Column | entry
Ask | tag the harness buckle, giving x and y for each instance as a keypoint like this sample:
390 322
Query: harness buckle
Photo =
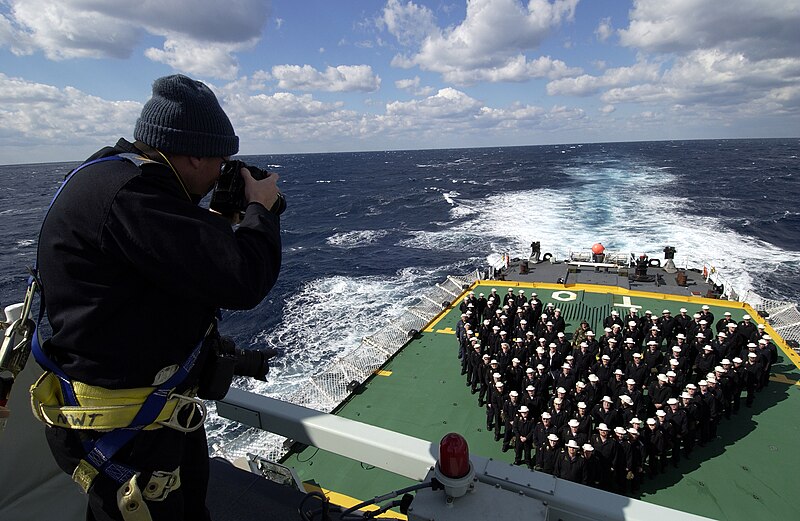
161 484
183 421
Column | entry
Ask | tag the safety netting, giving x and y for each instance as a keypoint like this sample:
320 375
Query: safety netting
327 389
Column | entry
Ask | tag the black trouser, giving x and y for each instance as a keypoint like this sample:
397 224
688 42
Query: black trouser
161 449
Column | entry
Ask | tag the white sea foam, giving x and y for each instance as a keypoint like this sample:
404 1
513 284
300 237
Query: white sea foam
626 210
356 238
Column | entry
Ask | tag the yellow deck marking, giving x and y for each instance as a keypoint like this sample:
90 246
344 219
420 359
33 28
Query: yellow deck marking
447 331
347 501
783 379
383 372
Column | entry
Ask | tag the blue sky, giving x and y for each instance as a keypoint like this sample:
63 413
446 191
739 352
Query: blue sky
318 76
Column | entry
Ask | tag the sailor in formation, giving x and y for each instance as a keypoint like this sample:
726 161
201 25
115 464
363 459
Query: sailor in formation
609 412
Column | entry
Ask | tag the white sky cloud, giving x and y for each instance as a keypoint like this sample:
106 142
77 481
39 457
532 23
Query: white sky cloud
200 36
604 29
487 45
334 79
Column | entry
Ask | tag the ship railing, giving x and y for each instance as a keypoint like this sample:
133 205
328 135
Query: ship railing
330 387
618 258
783 316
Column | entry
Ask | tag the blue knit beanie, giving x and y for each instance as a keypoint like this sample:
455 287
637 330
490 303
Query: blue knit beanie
184 117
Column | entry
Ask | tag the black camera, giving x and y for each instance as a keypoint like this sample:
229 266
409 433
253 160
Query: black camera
225 360
228 197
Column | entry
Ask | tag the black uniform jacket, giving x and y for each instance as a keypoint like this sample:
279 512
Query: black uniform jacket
133 271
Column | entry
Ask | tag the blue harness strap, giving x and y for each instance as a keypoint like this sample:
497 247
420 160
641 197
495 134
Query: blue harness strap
100 451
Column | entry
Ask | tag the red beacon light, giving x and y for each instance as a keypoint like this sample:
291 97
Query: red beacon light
454 469
598 248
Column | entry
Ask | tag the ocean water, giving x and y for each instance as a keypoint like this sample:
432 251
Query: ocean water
365 232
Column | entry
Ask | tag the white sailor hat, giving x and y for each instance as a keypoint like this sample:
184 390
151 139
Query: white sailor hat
615 326
602 427
737 360
495 327
672 401
498 384
543 315
529 333
652 343
515 360
486 357
487 322
581 405
746 317
703 322
580 384
626 399
561 390
683 310
493 361
629 340
676 349
552 345
674 362
761 326
529 370
545 415
705 307
572 444
550 304
648 312
540 349
566 366
606 357
662 412
680 335
479 295
702 383
630 381
722 334
607 330
635 421
614 312
463 315
588 447
470 305
686 396
732 325
618 371
510 290
612 340
539 366
495 375
633 432
533 294
763 341
654 328
552 437
671 373
523 408
560 334
651 421
691 386
521 292
751 355
637 355
632 323
725 361
711 379
557 401
619 430
662 377
751 344
513 393
530 388
696 316
727 313
584 344
607 399
590 333
666 311
504 332
593 377
573 423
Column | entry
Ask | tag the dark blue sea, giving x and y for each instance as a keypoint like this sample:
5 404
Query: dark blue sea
365 233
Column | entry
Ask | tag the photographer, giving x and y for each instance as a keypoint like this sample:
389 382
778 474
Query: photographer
134 273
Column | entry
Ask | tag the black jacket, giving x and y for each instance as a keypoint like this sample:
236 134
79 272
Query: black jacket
133 271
